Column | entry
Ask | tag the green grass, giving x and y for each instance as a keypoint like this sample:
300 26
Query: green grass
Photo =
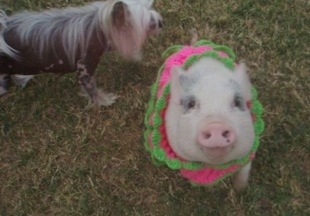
56 158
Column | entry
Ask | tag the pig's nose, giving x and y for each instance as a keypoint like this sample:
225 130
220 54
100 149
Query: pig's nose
216 135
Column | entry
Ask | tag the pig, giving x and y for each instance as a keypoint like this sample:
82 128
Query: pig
207 120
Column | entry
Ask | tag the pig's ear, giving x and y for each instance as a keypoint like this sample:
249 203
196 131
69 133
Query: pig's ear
241 72
188 79
175 86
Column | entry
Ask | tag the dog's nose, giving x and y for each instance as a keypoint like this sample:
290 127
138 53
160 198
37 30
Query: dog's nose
155 24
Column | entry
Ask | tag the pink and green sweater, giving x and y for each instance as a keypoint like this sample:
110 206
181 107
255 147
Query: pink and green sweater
156 140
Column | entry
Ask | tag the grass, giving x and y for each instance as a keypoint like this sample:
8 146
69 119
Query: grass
56 158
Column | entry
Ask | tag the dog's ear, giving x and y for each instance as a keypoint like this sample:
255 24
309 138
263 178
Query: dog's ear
120 14
149 3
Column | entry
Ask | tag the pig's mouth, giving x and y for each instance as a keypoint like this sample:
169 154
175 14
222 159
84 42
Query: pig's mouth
217 154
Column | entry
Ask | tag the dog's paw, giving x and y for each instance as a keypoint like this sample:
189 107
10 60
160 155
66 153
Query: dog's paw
22 80
101 99
4 84
104 99
3 91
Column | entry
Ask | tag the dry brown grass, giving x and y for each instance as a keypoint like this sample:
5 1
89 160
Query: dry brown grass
58 159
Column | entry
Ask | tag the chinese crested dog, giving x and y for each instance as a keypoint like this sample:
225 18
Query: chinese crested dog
73 40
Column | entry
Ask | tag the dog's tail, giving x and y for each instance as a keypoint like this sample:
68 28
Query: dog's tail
4 47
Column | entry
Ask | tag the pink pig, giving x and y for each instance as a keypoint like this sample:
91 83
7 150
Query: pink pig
207 129
207 118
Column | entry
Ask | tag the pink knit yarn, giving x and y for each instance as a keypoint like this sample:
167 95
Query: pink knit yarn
209 175
205 175
178 59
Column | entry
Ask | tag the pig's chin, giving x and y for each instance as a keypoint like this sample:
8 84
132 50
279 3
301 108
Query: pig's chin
216 156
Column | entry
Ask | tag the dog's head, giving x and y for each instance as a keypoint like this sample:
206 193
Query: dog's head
128 23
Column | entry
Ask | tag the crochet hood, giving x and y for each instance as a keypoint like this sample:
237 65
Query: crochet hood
155 137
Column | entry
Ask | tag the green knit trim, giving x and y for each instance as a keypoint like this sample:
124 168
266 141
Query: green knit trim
156 106
169 51
216 47
228 62
204 42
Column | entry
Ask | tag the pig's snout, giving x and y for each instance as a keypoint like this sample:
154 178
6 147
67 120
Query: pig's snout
216 139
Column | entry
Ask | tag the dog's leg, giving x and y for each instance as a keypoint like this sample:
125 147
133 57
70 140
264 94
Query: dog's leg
88 84
4 83
21 80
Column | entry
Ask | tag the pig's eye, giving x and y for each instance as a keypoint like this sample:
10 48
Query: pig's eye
188 103
238 102
191 104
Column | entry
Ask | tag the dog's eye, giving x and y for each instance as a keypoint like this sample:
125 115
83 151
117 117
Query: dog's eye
154 24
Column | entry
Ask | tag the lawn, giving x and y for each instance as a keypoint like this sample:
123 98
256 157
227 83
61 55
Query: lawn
57 158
